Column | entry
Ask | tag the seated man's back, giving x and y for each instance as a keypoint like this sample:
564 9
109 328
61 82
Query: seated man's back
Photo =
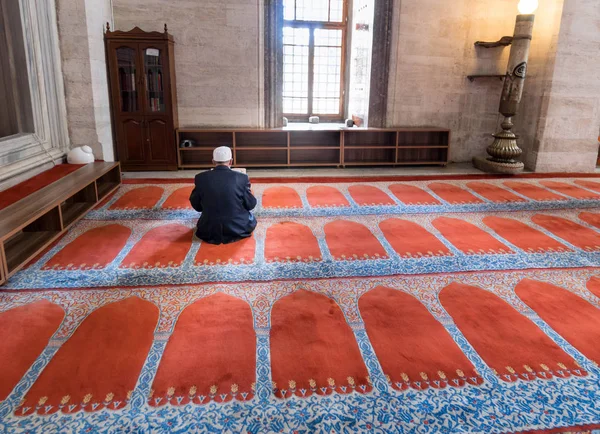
224 198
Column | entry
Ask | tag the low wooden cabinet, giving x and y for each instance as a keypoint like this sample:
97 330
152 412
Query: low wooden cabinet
289 147
28 226
141 72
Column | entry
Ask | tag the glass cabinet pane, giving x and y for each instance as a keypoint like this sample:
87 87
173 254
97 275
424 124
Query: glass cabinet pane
153 68
128 94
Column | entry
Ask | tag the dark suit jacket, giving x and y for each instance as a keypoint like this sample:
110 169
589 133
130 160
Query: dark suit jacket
223 197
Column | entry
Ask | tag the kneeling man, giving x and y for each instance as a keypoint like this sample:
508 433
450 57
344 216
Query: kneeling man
224 198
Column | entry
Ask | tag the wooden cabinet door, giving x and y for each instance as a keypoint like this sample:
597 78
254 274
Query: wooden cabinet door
130 136
159 141
125 77
155 81
156 104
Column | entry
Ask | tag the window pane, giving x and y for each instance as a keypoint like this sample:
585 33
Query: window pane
327 71
295 70
325 106
312 10
295 36
288 9
326 37
336 11
295 105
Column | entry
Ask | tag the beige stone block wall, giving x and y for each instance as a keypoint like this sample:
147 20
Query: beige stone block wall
217 56
432 53
98 13
75 54
80 26
569 121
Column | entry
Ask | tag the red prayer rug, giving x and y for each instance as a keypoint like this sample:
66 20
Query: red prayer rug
388 306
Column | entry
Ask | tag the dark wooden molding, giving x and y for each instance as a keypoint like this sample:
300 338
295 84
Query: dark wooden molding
380 62
137 33
273 63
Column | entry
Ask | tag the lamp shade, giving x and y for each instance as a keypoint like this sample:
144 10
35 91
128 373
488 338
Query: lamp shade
527 7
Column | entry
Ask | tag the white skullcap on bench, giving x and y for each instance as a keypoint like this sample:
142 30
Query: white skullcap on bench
222 154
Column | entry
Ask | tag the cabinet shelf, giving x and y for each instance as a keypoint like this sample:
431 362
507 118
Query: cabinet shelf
318 148
369 147
261 148
24 245
312 148
199 148
423 147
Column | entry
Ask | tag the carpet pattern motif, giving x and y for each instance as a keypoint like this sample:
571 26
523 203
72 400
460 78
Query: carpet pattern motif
338 318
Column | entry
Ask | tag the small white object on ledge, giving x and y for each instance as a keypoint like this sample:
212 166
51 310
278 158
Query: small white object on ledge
80 155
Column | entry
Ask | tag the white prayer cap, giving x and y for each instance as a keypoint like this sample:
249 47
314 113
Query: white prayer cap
222 154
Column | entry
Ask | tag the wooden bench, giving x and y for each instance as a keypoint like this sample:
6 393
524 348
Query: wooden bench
31 224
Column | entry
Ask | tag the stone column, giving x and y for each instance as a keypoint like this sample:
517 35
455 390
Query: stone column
504 150
80 26
566 138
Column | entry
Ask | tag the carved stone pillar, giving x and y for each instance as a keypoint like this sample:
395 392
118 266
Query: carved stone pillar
504 150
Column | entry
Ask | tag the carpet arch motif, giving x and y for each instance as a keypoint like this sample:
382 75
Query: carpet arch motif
106 242
468 238
320 357
281 197
291 242
511 344
179 199
412 195
523 236
533 191
410 240
142 197
325 196
216 334
161 247
584 238
570 190
26 330
494 193
98 366
368 195
574 318
349 241
414 349
453 194
240 252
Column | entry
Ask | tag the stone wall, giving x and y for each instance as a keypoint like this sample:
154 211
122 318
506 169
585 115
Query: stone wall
84 69
98 13
569 117
219 70
432 54
217 56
